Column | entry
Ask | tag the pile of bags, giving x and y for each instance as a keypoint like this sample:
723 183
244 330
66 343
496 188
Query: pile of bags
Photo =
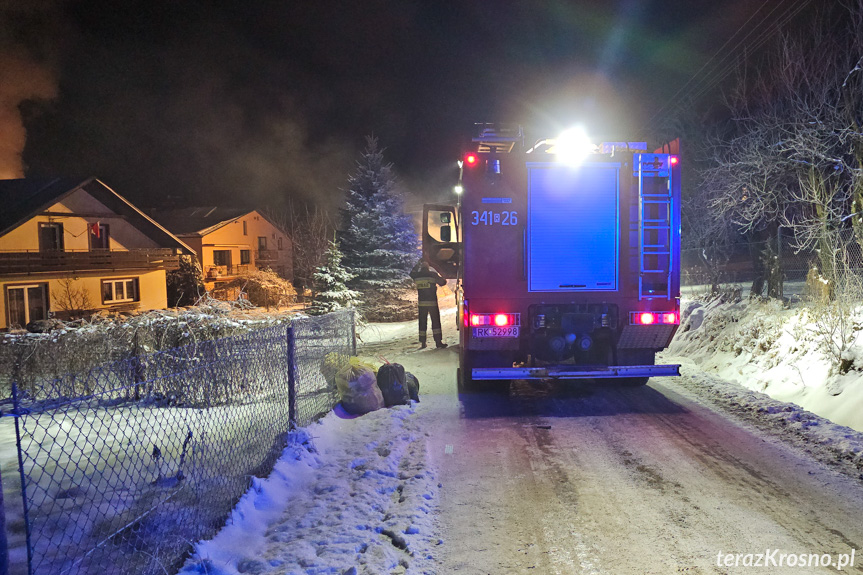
364 389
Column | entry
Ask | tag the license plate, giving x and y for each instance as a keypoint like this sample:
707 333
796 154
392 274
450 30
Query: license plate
496 331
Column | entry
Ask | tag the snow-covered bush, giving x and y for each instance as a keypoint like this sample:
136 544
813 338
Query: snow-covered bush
836 318
262 287
186 283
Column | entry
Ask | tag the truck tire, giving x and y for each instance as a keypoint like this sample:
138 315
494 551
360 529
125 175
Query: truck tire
467 385
635 357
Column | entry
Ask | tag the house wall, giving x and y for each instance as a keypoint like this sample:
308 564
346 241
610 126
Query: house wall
152 292
231 237
122 234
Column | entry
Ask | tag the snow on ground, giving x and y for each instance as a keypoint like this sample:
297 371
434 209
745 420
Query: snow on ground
348 496
776 350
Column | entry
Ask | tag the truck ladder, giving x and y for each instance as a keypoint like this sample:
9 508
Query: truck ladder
655 209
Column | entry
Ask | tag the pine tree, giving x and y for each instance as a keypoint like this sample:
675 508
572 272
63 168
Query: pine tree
378 239
330 279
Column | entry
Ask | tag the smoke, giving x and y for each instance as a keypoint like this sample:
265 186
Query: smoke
25 74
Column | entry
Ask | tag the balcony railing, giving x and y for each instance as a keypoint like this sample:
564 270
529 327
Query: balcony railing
267 255
221 272
71 261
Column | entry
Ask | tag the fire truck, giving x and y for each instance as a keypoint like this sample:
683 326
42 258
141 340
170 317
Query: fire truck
566 257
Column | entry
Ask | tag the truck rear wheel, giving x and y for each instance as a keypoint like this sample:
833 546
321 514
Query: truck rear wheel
635 357
467 385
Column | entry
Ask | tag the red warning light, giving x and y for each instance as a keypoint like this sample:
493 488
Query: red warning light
646 318
674 160
475 320
669 318
471 159
501 320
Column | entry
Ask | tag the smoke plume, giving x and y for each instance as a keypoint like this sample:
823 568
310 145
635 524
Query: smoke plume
24 75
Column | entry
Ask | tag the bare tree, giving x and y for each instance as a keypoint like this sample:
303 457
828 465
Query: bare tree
71 299
311 230
794 155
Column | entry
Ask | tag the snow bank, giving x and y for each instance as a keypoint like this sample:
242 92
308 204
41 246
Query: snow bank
347 496
766 347
825 440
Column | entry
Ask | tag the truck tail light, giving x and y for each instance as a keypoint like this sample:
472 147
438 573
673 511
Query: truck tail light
496 319
654 317
673 160
471 159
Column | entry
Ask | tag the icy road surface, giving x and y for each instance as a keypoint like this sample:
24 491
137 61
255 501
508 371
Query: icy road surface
571 478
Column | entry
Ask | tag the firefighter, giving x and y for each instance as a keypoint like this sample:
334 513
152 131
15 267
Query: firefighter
426 281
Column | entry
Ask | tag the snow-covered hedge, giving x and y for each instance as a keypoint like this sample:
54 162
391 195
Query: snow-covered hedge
80 346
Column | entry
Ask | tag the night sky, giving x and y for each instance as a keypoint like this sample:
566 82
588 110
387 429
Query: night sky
249 103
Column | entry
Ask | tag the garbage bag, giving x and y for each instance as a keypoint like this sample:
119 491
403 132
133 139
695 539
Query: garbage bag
413 385
330 366
391 380
358 388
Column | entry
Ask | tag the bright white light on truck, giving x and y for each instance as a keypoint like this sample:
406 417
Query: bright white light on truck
573 146
458 189
646 319
501 320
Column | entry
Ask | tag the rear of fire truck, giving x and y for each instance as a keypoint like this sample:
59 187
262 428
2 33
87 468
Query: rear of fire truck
566 257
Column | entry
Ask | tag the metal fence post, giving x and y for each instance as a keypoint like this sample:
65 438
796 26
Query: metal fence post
292 380
16 406
4 543
353 332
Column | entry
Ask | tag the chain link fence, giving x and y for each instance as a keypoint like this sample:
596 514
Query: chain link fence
126 465
748 264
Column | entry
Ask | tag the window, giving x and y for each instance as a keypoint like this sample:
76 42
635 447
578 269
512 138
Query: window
281 247
50 237
222 258
99 236
245 257
262 242
26 303
245 228
115 291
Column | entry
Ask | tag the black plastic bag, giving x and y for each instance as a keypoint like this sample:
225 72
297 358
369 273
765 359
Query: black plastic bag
413 385
391 380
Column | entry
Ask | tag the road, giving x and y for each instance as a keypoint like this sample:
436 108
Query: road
577 478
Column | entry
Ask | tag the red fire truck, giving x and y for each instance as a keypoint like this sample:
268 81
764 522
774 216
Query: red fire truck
566 258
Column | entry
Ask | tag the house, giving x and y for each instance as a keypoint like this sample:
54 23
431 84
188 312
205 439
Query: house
68 246
231 242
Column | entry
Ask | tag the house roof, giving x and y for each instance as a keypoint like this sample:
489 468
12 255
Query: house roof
25 198
197 221
200 221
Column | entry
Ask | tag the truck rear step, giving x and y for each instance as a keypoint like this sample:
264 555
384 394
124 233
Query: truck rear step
575 372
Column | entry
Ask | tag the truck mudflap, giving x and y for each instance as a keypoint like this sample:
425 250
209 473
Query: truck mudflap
575 372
